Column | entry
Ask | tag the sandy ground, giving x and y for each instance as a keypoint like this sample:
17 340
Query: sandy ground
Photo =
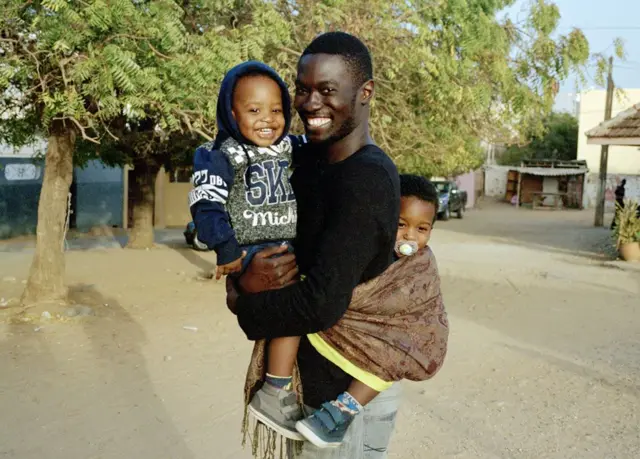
544 357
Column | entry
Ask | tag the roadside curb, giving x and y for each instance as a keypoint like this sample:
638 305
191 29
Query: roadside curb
624 265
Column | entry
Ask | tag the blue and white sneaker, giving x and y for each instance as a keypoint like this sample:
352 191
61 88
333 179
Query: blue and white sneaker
326 427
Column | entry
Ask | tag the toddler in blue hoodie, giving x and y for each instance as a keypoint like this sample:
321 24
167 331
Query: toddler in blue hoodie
242 201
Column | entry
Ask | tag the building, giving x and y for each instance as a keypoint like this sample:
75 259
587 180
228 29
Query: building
624 160
97 192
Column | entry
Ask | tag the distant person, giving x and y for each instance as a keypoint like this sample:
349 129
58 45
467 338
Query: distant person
619 193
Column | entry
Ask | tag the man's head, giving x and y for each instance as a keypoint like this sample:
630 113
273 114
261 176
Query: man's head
334 87
258 109
418 209
624 182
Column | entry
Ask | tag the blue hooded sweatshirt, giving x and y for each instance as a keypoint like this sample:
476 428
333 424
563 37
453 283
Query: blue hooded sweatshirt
242 194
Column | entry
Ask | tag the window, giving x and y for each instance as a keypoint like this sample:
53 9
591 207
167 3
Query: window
22 171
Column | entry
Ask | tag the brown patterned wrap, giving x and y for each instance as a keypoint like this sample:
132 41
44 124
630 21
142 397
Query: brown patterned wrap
396 327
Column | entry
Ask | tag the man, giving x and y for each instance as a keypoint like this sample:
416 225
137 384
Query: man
619 195
348 205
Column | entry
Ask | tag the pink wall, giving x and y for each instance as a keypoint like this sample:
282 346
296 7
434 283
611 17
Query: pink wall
467 182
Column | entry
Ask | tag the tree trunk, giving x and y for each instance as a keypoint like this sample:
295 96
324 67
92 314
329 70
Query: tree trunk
46 276
142 201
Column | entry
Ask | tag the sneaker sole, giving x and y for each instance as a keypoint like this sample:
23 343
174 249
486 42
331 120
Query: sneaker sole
313 438
266 420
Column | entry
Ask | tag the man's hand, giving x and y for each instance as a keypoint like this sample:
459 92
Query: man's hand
266 273
230 268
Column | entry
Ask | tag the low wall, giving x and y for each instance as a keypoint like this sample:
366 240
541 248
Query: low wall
632 189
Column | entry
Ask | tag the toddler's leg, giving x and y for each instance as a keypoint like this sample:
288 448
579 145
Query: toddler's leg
275 404
281 359
327 426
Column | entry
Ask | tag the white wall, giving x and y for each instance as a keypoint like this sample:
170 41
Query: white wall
495 181
624 162
27 151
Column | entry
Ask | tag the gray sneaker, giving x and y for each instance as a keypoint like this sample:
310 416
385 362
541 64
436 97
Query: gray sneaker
278 409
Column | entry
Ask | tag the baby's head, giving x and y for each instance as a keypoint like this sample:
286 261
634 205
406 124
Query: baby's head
254 106
258 109
418 211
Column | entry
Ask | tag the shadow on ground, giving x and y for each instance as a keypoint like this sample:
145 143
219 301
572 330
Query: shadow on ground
117 412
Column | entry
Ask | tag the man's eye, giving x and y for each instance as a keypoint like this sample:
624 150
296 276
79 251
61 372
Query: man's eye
401 225
277 110
424 230
254 110
327 91
300 91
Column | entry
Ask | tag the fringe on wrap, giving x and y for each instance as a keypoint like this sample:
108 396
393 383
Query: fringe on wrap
265 442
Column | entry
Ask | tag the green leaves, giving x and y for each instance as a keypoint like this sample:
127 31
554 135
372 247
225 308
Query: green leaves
559 140
449 74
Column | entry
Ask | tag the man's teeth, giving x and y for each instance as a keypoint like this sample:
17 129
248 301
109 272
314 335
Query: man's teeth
266 131
316 122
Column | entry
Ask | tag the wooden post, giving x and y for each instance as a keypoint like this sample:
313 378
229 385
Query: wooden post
159 220
604 153
125 196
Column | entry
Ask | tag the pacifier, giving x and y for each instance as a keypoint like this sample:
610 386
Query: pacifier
406 248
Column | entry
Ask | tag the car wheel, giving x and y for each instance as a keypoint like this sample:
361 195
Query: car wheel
446 214
460 212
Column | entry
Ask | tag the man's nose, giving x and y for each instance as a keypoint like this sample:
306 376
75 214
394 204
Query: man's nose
312 102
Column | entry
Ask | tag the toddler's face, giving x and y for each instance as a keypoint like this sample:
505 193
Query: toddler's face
416 221
257 108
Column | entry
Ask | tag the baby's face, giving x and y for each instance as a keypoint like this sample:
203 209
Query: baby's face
257 108
416 221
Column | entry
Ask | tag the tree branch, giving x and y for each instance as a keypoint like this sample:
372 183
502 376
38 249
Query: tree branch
81 128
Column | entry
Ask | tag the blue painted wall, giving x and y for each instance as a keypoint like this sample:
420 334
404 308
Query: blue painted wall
99 195
98 200
18 200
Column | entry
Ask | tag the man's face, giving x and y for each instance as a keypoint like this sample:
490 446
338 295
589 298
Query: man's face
327 98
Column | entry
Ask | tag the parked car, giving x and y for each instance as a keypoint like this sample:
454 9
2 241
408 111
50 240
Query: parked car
452 199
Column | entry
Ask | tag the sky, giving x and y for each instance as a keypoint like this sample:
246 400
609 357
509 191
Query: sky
602 21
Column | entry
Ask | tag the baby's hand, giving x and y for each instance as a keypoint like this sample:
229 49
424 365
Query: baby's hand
230 268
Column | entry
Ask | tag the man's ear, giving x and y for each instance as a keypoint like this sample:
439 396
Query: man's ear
366 92
233 113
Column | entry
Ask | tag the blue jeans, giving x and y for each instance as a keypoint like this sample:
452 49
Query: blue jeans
368 435
255 248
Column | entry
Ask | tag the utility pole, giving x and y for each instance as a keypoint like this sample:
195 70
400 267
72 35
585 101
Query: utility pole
604 153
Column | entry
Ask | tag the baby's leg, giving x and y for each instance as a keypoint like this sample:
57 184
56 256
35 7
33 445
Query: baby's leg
361 392
328 426
281 359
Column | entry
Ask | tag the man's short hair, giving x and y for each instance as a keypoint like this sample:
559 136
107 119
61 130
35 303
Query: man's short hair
419 187
350 48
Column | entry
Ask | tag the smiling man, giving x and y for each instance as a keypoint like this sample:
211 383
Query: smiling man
348 195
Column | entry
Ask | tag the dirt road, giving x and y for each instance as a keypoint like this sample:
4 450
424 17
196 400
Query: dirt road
544 357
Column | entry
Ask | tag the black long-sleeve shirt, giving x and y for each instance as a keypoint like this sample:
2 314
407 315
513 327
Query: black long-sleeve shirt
347 225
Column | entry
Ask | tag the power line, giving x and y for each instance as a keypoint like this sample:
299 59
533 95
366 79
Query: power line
604 28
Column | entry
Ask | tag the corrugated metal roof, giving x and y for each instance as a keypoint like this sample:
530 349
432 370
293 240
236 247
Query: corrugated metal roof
626 124
551 171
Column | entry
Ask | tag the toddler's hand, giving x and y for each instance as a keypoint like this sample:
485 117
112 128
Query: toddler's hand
230 268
